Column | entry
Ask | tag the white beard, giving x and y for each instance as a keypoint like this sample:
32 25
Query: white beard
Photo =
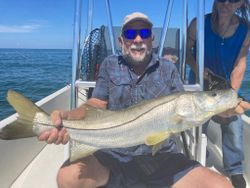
128 55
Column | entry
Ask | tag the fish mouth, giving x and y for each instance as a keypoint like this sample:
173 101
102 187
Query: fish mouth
220 101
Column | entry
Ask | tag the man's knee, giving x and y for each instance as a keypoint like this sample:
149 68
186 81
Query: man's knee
203 177
224 183
74 178
64 179
86 173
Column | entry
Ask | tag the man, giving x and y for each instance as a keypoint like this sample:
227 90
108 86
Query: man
123 81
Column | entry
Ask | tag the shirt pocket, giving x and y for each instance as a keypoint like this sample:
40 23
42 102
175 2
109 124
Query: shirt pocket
119 92
156 87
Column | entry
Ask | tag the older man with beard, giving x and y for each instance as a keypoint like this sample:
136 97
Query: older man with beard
125 80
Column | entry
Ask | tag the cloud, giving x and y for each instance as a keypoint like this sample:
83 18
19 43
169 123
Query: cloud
26 28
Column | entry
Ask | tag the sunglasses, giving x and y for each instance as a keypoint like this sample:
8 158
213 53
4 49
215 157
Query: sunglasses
132 33
230 1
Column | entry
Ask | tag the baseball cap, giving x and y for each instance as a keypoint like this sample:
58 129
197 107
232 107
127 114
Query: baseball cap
134 17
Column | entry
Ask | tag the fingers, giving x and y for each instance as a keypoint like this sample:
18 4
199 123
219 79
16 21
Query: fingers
44 136
53 136
239 109
49 136
56 135
60 136
245 105
242 107
63 137
56 117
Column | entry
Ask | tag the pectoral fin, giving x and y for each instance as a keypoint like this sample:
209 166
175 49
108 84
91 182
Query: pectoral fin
79 150
177 119
156 148
157 138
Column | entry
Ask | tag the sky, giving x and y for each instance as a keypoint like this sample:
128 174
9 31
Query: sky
48 24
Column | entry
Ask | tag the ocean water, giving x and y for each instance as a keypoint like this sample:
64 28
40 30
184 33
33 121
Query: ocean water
37 73
33 72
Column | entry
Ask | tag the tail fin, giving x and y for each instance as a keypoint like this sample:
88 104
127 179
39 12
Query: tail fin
22 127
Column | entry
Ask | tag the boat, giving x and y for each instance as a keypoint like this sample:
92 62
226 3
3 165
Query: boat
28 163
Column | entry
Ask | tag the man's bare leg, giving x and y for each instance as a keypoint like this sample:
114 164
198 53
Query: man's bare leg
203 177
85 173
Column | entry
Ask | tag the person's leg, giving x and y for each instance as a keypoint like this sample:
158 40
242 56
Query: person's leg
202 177
177 171
233 151
87 173
232 145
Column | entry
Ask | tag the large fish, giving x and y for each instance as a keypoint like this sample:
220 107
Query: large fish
149 122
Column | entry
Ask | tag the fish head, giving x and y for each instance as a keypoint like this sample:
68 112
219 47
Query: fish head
200 106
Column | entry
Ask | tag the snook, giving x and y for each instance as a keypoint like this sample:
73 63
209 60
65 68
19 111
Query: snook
149 122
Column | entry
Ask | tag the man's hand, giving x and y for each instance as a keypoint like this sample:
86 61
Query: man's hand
239 109
58 134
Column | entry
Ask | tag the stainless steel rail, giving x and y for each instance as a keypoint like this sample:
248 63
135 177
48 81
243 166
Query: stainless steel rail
183 40
200 58
75 51
110 27
165 26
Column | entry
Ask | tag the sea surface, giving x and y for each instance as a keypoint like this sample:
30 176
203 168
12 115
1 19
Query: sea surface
37 73
33 72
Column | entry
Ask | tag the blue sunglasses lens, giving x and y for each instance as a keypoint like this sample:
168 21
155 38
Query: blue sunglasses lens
145 33
132 33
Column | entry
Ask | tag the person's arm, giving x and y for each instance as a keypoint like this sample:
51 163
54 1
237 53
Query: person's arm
59 135
237 76
238 72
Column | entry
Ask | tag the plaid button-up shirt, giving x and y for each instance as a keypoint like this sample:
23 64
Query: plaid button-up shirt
121 87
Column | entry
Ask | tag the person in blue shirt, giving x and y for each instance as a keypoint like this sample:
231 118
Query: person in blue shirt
227 40
125 80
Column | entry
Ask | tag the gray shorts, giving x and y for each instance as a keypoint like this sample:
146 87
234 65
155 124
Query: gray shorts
159 171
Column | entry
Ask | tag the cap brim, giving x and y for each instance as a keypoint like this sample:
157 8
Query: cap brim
137 19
